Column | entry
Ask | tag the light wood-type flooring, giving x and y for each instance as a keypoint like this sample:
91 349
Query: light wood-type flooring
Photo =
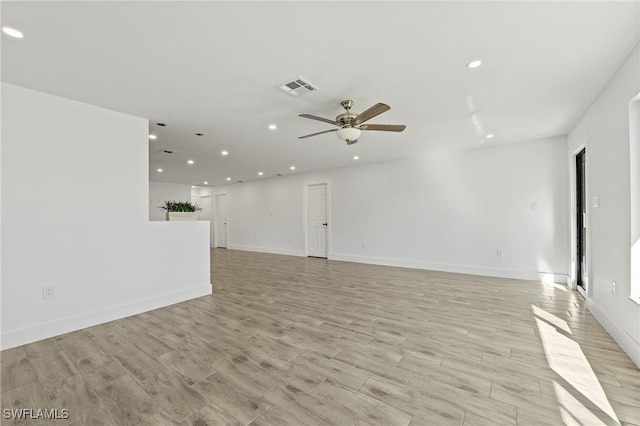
302 341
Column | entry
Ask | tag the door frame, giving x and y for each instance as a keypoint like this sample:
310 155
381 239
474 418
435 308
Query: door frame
573 211
305 215
210 218
215 212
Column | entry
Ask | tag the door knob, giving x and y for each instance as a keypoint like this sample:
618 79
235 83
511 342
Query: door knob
324 224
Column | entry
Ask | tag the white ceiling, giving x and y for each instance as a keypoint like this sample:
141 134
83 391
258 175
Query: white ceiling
212 67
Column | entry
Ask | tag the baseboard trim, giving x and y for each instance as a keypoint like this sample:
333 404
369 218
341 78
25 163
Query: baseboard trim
627 342
546 277
288 252
57 327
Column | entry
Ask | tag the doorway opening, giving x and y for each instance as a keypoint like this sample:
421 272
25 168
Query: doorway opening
582 278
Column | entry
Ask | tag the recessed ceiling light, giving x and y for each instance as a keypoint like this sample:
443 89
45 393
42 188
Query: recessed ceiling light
159 170
490 135
292 168
355 157
260 173
474 64
190 161
224 152
228 178
199 134
12 32
273 127
193 187
205 182
153 137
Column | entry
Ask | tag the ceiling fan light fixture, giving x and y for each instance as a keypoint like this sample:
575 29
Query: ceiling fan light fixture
349 134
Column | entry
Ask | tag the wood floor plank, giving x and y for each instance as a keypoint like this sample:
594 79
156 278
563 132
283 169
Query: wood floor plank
276 417
309 408
426 410
219 392
17 373
335 369
127 402
12 355
54 367
166 388
374 411
245 376
494 410
374 366
127 355
211 415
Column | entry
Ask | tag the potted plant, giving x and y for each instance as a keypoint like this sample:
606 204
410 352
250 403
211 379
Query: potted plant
180 210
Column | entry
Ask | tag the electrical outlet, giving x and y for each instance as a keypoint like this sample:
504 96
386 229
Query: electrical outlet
534 206
499 253
48 292
613 287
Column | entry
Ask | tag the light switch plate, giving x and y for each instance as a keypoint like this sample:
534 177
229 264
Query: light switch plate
595 201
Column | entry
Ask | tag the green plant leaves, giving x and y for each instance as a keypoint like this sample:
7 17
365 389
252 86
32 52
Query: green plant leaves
180 206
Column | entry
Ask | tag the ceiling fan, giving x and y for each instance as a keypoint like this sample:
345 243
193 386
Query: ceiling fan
350 124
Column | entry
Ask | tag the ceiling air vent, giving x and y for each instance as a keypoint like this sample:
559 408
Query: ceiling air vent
297 86
167 151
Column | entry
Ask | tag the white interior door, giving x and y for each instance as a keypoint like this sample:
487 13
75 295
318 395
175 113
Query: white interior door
317 220
204 201
221 229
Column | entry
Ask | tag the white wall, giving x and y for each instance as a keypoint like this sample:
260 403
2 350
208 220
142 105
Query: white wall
450 212
159 192
605 129
75 216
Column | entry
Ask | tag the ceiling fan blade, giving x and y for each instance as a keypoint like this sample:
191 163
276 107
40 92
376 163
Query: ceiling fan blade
384 127
377 109
315 117
316 134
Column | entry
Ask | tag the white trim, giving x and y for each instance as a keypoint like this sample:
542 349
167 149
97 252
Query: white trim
208 195
41 331
214 212
461 269
272 250
580 291
305 214
627 342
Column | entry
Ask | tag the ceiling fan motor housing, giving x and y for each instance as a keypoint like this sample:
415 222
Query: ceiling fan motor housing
346 119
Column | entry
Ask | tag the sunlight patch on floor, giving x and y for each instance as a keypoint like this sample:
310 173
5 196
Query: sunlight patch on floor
573 411
565 357
550 318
